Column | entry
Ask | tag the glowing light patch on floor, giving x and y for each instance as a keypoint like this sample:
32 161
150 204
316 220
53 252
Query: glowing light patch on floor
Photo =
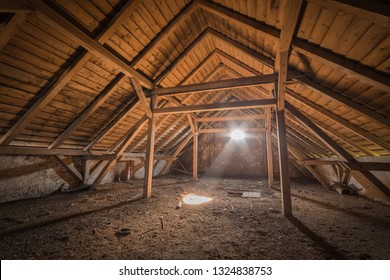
193 199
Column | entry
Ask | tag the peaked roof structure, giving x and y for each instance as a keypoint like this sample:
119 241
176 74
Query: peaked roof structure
83 77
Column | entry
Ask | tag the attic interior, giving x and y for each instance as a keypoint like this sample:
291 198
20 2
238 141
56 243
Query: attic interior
114 112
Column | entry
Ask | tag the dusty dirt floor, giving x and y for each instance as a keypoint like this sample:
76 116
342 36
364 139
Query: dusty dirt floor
106 224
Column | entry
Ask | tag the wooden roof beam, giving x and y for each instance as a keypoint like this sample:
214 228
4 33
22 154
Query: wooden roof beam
91 108
57 85
9 30
217 85
231 118
43 151
343 64
165 32
328 141
218 106
141 96
375 11
228 130
182 55
336 118
370 114
113 123
290 20
337 97
13 6
57 21
229 14
258 56
365 73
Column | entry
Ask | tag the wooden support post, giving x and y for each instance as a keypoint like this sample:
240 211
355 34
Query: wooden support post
195 157
270 165
149 160
86 170
148 179
283 164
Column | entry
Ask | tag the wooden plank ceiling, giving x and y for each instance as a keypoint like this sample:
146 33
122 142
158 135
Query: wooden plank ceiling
74 74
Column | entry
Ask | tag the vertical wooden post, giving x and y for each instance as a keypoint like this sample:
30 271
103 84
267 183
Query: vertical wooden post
86 170
149 160
283 164
270 164
195 157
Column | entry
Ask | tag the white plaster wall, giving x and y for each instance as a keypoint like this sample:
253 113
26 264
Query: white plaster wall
365 187
25 177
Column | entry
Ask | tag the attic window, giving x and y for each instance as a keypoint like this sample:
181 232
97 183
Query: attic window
237 134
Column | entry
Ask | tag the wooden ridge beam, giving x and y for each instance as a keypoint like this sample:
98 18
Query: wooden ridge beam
58 22
218 106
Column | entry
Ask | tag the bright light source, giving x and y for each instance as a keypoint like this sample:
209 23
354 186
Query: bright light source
194 199
237 134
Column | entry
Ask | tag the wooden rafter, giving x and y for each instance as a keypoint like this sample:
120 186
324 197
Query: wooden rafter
165 32
141 96
336 148
91 108
351 104
354 128
8 31
113 123
66 28
290 20
375 11
182 55
363 72
54 88
345 123
13 6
